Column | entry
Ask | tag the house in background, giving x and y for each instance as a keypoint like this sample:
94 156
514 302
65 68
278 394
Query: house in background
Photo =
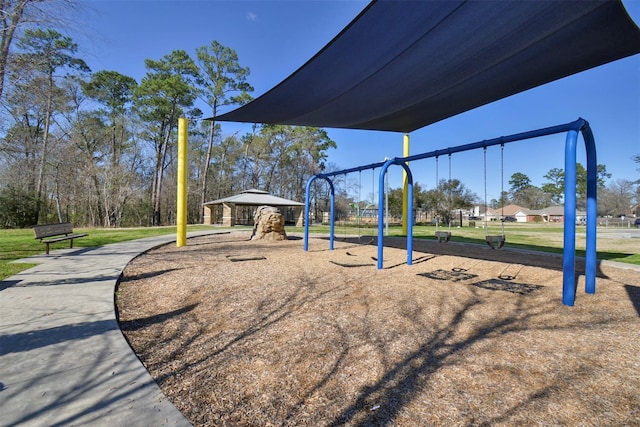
239 209
548 214
518 212
554 214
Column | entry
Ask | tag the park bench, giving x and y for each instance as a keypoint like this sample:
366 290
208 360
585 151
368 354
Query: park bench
51 233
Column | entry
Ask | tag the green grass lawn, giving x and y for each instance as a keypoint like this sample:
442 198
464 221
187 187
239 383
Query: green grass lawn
543 238
16 244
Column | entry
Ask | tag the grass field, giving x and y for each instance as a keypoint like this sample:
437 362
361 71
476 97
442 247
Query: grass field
16 244
615 244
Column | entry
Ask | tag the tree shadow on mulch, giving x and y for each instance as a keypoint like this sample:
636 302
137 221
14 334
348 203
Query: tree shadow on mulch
134 325
383 401
634 296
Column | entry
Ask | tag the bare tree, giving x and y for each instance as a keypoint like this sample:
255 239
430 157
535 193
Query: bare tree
46 52
617 198
16 15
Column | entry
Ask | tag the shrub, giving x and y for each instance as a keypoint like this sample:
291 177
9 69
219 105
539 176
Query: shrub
18 207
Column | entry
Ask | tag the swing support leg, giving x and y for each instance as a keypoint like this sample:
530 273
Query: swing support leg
569 273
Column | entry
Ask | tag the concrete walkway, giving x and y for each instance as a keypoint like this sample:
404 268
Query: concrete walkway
63 359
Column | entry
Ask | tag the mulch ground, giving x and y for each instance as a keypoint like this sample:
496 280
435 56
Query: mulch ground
240 332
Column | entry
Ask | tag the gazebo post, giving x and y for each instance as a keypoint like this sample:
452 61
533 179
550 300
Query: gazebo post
228 214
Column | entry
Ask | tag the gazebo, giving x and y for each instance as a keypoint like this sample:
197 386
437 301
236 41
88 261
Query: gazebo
239 209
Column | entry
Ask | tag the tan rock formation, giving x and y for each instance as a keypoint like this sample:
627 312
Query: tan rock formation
268 224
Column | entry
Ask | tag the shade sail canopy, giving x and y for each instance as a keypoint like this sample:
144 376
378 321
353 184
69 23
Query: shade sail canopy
402 65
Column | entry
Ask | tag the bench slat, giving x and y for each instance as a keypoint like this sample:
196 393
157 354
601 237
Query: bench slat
48 230
61 238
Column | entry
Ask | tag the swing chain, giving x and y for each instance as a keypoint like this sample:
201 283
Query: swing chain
437 185
502 185
486 207
450 194
494 241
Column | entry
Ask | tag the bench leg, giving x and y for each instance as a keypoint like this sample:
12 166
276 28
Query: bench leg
47 248
71 244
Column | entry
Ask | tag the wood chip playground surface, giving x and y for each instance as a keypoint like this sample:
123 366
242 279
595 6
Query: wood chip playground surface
240 332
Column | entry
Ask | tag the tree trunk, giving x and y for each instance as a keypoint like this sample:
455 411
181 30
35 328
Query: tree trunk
157 186
220 174
45 141
154 183
205 172
157 203
58 208
244 160
9 25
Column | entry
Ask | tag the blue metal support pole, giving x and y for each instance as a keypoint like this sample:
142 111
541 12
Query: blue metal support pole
575 125
592 210
381 190
332 215
383 172
569 254
409 214
307 200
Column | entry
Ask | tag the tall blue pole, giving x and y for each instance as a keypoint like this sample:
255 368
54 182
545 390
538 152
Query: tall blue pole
409 214
383 172
381 189
569 254
307 200
592 210
332 215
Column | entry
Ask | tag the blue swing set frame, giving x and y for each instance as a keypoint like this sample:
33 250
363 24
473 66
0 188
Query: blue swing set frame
571 129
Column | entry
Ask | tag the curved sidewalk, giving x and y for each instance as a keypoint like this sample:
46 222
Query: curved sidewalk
63 359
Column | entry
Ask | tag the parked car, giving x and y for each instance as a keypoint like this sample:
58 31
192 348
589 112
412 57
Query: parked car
509 218
637 222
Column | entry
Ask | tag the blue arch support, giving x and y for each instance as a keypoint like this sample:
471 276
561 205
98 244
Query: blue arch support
383 172
592 209
569 282
306 210
569 258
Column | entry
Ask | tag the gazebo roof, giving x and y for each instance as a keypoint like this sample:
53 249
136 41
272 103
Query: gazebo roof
255 197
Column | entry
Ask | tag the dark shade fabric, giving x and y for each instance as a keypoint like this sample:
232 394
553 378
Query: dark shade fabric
402 65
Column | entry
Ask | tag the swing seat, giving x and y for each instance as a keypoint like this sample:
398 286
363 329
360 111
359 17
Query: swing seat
443 236
495 242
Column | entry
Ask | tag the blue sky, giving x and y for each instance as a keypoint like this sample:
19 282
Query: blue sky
274 38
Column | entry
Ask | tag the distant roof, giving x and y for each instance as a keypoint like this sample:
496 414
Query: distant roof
553 210
402 65
255 197
507 210
513 209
